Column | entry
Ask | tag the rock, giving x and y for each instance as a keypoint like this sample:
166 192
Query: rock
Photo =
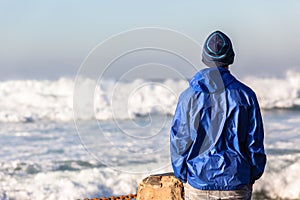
160 187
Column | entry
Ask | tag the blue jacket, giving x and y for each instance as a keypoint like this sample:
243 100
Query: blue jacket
217 134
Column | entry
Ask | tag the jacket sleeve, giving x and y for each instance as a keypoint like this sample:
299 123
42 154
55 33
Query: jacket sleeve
257 156
180 141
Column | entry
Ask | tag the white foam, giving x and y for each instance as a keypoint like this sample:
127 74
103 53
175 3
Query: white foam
280 181
277 92
64 185
57 167
33 100
281 178
28 180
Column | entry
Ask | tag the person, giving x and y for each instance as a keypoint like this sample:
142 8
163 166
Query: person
216 137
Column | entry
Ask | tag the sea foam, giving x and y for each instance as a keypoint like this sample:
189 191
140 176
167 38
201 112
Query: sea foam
34 100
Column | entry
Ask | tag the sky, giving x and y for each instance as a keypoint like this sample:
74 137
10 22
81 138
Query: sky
50 39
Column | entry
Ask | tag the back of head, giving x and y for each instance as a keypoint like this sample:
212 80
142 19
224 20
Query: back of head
217 50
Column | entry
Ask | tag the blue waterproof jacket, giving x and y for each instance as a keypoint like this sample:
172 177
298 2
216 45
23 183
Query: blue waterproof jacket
217 133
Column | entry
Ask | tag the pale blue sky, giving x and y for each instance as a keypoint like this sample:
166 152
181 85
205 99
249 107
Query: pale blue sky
50 38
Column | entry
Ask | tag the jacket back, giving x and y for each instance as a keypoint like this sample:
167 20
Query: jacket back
216 138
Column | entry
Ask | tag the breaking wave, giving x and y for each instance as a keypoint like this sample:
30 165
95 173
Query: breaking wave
34 100
277 92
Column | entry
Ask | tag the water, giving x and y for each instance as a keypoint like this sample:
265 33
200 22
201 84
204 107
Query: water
281 177
32 100
46 160
43 156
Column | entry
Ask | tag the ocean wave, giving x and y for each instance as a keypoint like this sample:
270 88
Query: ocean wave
35 100
46 160
32 181
280 179
277 92
68 184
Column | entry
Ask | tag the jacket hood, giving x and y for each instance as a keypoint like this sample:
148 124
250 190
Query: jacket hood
211 80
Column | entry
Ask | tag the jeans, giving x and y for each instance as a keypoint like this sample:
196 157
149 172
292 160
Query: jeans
244 193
